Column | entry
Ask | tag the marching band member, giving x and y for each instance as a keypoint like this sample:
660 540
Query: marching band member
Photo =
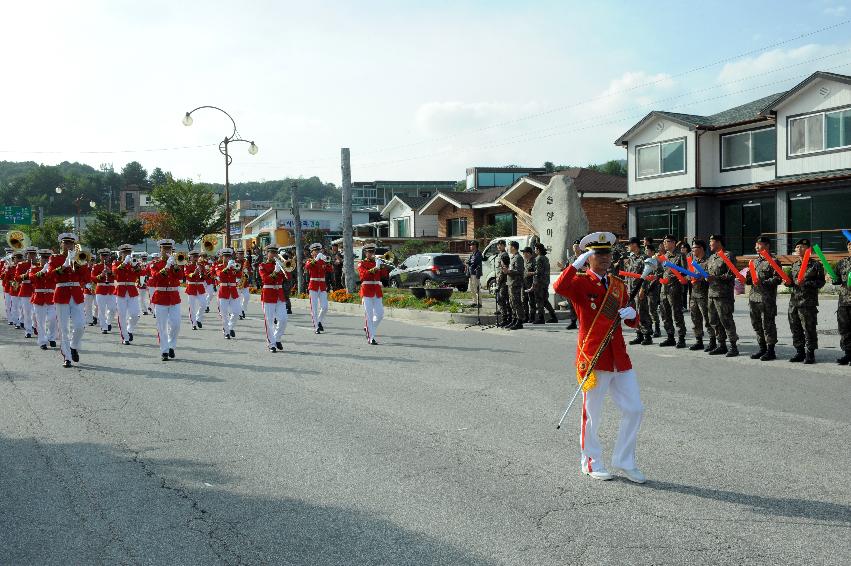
272 298
209 280
68 298
195 290
90 313
7 273
12 293
317 268
44 311
104 280
228 271
126 294
242 282
142 285
25 289
602 301
371 272
164 280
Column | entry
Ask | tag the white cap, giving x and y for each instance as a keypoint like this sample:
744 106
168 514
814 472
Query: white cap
598 241
68 236
125 248
166 242
226 251
30 250
315 246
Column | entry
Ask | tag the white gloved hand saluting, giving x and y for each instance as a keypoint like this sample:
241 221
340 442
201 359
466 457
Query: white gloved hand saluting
44 269
627 313
580 261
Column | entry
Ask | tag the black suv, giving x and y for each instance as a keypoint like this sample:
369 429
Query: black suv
417 269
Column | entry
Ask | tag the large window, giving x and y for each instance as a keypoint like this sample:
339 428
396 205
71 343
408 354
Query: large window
812 213
403 227
505 221
500 179
747 149
456 227
656 223
744 220
824 131
664 158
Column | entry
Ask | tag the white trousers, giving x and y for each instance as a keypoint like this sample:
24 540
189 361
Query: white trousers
70 326
625 395
88 302
143 299
168 326
7 299
373 313
318 306
210 293
274 330
27 313
197 303
129 312
107 308
229 308
17 317
245 296
45 323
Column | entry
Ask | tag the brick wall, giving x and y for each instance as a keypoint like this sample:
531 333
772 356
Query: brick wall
448 212
605 215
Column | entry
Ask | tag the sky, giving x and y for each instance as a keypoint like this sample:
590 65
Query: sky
416 90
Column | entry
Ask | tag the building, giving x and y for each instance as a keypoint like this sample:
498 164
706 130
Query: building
134 199
377 194
402 213
780 166
460 215
277 225
483 178
243 211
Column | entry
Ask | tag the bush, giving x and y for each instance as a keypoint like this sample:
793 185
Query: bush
341 296
413 247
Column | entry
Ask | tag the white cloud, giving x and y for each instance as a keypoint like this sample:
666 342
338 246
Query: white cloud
834 10
779 64
632 90
450 117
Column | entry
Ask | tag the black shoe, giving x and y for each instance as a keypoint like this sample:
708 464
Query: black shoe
171 352
711 346
289 311
52 343
721 349
75 355
279 346
668 342
517 326
769 355
126 342
639 338
103 331
538 321
317 331
66 364
43 346
243 314
697 345
320 327
798 357
657 332
130 336
109 327
199 324
232 334
28 335
843 361
272 349
144 313
373 342
206 309
681 343
734 351
165 357
758 355
274 321
227 335
572 325
194 328
647 340
810 357
552 320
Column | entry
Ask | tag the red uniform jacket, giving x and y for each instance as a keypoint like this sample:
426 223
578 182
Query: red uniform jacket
209 273
22 276
5 276
585 290
195 275
125 279
44 285
370 283
164 283
69 280
227 280
273 283
316 270
103 279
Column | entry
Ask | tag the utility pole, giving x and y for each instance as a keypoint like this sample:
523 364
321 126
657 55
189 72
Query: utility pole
299 254
348 240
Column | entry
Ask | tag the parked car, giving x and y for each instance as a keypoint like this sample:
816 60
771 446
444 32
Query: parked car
417 269
489 267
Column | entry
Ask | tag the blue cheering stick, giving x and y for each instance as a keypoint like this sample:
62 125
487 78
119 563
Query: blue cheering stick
847 234
682 270
700 271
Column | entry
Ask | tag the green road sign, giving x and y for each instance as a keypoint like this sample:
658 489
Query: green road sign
16 215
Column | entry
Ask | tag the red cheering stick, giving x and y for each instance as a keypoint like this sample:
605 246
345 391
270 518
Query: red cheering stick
732 267
680 278
786 279
623 273
804 262
754 276
691 268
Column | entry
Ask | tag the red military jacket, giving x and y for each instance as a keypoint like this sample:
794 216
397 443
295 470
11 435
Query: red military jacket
209 273
126 276
370 283
195 276
245 271
44 285
22 276
5 274
316 270
586 292
227 280
69 280
104 280
86 279
164 283
273 283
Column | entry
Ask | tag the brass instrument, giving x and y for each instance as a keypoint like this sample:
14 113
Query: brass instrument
210 243
289 265
82 257
180 258
17 240
389 257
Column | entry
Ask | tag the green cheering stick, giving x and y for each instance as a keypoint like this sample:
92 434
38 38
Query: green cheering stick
827 268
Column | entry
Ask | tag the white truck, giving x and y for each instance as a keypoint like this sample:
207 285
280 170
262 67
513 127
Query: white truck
489 268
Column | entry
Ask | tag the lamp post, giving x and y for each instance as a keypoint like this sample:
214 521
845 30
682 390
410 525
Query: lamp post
223 148
77 201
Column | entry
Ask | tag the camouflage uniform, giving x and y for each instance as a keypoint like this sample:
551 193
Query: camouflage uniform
803 305
514 280
634 263
502 293
541 287
721 300
654 299
843 310
671 296
698 303
762 301
528 298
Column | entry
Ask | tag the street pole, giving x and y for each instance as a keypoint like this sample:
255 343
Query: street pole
227 195
299 254
348 239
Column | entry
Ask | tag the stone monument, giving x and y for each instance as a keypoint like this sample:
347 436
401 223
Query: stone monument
559 219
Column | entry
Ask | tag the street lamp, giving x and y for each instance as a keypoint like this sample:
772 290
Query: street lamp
223 148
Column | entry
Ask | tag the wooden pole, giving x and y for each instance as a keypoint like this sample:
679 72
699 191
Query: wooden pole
348 239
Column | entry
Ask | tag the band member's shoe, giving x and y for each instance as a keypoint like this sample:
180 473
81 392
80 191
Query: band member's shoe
227 335
760 353
75 355
721 349
539 321
600 473
639 338
194 327
199 324
103 331
648 340
272 349
66 364
843 361
697 345
373 342
43 346
165 357
317 331
711 346
572 325
798 357
126 342
657 332
171 352
810 357
279 346
28 335
768 355
634 475
109 327
681 343
275 321
518 325
668 342
206 309
734 351
144 313
552 320
320 327
232 333
130 336
52 343
94 321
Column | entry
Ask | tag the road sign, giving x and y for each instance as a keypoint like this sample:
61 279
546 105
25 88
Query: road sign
16 215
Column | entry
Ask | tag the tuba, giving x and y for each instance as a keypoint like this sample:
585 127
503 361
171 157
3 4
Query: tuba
389 257
289 265
17 240
180 258
210 243
82 257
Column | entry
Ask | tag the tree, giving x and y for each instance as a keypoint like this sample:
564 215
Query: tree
549 166
461 186
157 224
492 231
615 167
314 235
413 247
47 235
158 178
194 210
134 174
109 229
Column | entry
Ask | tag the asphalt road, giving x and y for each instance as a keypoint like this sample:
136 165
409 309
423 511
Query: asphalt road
436 447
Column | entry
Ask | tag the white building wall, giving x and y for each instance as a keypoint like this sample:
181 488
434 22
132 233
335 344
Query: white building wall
710 162
426 225
809 100
657 131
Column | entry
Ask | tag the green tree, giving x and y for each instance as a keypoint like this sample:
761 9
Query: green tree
157 178
194 210
47 235
109 229
615 167
549 166
134 174
492 231
461 186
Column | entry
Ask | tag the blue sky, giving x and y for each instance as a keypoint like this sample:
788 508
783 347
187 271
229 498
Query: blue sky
417 90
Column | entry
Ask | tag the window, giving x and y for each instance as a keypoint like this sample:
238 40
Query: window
505 221
818 215
662 158
129 202
746 149
403 227
820 132
657 223
485 180
503 179
456 227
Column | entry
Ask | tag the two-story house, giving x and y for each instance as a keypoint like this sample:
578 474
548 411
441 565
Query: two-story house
780 166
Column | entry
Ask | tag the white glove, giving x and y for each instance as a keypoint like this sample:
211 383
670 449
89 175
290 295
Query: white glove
231 264
627 313
321 256
44 269
278 267
170 261
378 263
127 260
580 261
68 260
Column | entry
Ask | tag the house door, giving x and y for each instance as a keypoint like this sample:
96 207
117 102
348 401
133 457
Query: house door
678 223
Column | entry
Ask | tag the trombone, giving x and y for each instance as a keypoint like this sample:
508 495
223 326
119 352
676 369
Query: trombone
388 257
181 258
82 257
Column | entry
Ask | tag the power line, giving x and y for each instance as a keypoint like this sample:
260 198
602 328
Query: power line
180 147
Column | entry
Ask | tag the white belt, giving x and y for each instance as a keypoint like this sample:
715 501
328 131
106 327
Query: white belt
370 282
126 283
317 279
68 284
166 288
227 284
105 284
25 281
42 290
272 286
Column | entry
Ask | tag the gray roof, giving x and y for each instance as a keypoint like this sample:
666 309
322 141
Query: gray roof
415 203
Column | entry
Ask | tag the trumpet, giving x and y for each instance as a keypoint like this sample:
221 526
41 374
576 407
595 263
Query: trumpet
82 257
17 240
180 258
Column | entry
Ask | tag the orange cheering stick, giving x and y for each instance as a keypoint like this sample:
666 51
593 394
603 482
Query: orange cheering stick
779 270
731 267
804 262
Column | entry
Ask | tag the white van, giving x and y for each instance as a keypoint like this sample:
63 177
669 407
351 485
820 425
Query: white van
489 267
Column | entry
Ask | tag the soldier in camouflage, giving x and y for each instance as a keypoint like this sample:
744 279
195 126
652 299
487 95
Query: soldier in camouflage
652 289
843 309
514 279
528 295
502 295
671 295
541 285
762 302
721 300
634 263
803 305
698 306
